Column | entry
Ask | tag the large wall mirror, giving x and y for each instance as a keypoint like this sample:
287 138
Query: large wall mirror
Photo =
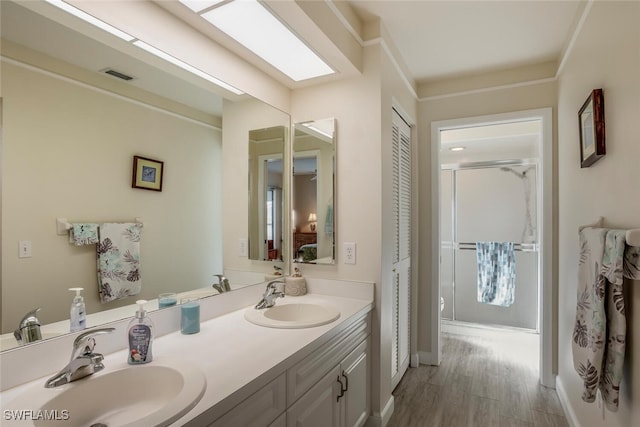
313 190
70 132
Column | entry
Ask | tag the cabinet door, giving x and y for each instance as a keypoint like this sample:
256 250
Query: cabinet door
355 375
319 406
259 409
281 421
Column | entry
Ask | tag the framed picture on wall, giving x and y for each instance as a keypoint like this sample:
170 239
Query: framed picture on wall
147 173
591 122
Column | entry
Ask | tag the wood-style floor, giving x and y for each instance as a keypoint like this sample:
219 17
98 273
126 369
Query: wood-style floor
489 380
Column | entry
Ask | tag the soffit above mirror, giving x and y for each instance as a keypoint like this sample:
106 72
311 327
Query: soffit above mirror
61 42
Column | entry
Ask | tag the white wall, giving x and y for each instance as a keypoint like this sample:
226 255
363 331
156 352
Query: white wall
606 55
68 152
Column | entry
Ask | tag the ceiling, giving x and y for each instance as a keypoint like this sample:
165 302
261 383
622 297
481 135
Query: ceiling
444 39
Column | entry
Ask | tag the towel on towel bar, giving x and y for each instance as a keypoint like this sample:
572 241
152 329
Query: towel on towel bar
496 273
83 234
599 334
119 261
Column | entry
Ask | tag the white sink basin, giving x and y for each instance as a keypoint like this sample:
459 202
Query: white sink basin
149 395
292 316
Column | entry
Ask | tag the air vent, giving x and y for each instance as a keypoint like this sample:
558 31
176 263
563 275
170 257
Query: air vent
117 74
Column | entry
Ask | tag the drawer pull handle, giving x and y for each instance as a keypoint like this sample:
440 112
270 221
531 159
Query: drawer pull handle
341 390
346 381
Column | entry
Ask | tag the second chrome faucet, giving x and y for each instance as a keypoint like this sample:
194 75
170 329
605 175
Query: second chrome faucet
270 295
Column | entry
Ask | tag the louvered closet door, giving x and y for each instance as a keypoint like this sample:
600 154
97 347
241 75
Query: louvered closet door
401 282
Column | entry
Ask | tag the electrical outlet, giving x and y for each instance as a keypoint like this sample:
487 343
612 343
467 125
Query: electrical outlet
349 252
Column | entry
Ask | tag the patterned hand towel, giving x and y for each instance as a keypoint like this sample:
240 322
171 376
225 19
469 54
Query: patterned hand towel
83 234
589 329
618 262
496 273
119 261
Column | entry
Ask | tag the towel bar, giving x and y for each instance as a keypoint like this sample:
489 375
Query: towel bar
632 236
518 247
63 226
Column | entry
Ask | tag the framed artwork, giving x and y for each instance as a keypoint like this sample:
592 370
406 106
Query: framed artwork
147 173
591 121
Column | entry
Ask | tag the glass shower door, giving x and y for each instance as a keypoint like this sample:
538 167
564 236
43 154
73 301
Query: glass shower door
495 204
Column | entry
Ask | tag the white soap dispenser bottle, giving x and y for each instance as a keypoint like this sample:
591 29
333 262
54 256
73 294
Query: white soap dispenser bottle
77 314
140 337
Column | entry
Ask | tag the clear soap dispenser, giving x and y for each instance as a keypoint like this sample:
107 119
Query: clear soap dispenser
140 337
77 314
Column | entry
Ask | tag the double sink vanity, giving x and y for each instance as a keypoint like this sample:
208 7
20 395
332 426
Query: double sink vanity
303 361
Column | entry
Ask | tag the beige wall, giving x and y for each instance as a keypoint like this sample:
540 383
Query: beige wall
505 100
67 152
606 55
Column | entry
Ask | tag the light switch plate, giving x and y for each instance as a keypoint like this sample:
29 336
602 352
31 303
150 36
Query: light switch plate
24 250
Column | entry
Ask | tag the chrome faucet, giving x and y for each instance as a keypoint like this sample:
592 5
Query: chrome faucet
270 295
28 329
84 361
222 285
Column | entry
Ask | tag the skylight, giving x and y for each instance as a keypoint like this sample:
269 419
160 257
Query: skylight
253 26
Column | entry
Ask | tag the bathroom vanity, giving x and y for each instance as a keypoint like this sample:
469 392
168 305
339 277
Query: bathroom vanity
255 375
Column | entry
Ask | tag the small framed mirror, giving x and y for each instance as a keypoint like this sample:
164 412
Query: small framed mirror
313 192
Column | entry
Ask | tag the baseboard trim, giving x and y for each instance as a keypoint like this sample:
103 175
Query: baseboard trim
415 360
569 413
427 358
382 419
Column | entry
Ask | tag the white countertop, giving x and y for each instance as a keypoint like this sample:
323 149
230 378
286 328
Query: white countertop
233 352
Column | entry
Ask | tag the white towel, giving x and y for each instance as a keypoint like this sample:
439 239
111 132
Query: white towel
119 261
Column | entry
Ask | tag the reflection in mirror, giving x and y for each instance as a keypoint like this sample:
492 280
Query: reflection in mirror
76 130
266 201
313 191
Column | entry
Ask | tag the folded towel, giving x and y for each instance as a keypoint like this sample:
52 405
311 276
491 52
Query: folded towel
119 261
496 273
83 234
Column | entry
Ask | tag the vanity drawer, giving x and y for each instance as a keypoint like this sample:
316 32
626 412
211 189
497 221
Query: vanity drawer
302 376
259 409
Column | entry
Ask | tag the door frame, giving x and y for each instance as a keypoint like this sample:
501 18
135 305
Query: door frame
546 300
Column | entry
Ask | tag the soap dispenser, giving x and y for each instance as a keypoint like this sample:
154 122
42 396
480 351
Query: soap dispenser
77 314
140 337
